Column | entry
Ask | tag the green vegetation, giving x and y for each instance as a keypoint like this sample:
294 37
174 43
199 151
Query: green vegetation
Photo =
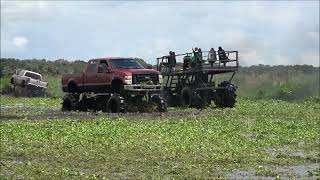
30 102
4 81
257 134
54 86
277 82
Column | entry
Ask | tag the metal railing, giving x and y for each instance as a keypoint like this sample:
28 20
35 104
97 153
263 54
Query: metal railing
230 60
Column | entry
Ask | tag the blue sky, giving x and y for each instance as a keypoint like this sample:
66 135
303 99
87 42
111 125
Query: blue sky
264 32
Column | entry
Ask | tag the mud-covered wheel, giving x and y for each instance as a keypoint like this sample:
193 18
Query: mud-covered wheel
116 104
69 103
72 87
23 84
172 100
225 97
186 97
198 101
160 103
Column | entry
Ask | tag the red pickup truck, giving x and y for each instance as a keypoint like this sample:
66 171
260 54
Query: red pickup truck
122 77
113 75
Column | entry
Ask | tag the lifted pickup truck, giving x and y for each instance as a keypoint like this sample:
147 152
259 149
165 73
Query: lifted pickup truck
113 84
28 83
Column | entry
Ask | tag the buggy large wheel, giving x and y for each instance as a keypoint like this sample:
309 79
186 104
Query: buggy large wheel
116 104
225 97
186 97
198 101
172 100
160 102
69 103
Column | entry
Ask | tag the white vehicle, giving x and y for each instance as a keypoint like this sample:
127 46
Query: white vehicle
25 78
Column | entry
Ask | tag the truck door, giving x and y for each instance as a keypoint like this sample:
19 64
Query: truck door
91 76
104 75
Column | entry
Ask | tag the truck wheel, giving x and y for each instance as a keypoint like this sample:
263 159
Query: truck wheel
69 103
186 97
117 86
225 97
23 84
116 104
160 102
72 87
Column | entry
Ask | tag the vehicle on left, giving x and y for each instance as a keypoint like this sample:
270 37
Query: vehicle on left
28 83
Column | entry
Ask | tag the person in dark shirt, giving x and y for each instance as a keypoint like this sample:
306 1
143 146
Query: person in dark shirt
172 60
222 56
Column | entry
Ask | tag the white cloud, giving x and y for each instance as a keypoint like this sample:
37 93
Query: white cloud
13 11
250 57
281 60
310 58
262 32
20 41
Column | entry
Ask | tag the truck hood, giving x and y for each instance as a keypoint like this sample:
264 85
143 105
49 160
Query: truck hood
137 71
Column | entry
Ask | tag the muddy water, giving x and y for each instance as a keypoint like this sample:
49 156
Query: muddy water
283 172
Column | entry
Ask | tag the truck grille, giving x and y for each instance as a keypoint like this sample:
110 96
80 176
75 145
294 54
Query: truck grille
145 78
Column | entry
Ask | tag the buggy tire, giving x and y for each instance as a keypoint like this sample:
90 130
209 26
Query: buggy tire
225 97
172 100
186 97
198 101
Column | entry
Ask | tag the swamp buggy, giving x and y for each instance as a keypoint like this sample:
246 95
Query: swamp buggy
189 78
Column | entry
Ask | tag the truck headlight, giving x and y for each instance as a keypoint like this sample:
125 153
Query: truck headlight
160 79
128 79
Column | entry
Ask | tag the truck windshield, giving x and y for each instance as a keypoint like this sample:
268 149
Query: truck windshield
33 76
125 64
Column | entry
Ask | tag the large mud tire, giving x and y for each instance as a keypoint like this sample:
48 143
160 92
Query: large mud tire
160 103
116 104
23 84
198 101
225 97
72 87
172 100
69 103
186 97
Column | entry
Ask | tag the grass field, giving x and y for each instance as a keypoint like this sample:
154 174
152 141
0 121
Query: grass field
261 138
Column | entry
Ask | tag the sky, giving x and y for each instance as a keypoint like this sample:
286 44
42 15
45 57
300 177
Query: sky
264 32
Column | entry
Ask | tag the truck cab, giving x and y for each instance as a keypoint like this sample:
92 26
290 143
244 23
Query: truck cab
113 75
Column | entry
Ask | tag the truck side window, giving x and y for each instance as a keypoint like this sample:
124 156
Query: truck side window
102 68
92 67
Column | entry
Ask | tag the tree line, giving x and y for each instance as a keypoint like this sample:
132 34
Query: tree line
258 81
